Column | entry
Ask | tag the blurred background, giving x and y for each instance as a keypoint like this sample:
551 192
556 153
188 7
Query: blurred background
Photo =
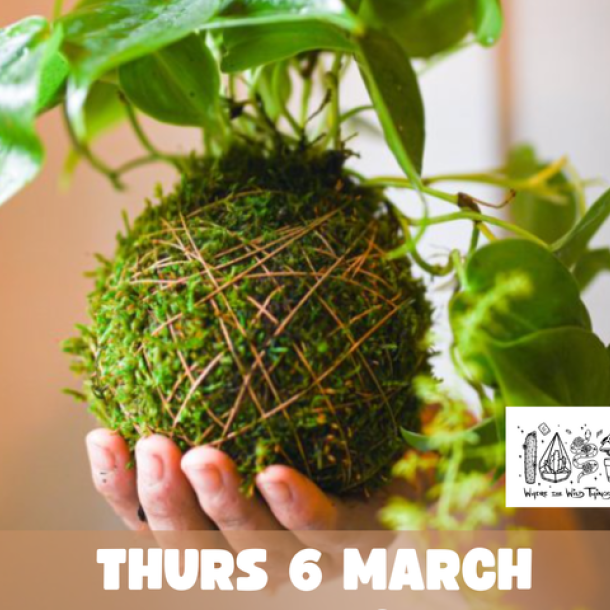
545 84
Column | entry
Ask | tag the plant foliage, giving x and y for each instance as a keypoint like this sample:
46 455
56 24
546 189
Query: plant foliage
521 331
158 54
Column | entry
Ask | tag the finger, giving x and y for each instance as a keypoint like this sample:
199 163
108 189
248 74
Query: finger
165 493
296 502
216 482
313 516
109 456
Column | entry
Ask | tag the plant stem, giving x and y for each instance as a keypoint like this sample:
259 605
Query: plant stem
457 361
334 111
145 141
456 258
436 270
579 187
410 247
391 182
294 124
474 216
445 501
548 172
536 183
474 238
480 177
487 232
84 151
352 112
231 86
135 163
306 95
449 198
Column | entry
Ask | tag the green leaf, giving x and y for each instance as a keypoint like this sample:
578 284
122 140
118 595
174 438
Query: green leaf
547 219
253 12
249 47
101 35
25 49
394 90
515 287
179 84
557 367
274 86
590 265
512 288
422 27
52 82
104 110
488 21
105 34
418 441
521 326
573 245
482 434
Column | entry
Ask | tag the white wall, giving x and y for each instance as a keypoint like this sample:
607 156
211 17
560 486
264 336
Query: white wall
561 96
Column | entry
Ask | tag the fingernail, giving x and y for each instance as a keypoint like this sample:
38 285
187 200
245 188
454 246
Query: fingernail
208 477
102 460
276 492
150 468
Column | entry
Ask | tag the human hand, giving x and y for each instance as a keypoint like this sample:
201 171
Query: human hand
199 490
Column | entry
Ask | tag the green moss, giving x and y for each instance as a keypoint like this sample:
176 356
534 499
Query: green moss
253 309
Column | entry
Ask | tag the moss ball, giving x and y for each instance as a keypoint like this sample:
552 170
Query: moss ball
253 309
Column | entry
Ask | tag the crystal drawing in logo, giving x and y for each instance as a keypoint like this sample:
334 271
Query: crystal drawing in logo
555 464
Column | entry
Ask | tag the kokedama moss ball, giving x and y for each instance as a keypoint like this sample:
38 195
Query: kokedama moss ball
253 310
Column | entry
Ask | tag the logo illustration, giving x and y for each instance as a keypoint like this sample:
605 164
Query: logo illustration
555 464
555 457
584 452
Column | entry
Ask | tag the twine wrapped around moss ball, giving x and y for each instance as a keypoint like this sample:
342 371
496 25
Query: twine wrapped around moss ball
253 310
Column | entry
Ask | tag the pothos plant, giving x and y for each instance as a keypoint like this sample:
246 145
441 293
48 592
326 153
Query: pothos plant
267 305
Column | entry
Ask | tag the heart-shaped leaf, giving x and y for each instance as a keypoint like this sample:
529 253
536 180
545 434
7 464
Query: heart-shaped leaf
179 84
25 49
422 27
515 287
520 326
557 367
102 35
249 47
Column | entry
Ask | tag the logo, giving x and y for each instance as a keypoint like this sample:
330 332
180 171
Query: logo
558 456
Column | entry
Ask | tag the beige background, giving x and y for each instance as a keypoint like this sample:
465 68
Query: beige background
548 85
